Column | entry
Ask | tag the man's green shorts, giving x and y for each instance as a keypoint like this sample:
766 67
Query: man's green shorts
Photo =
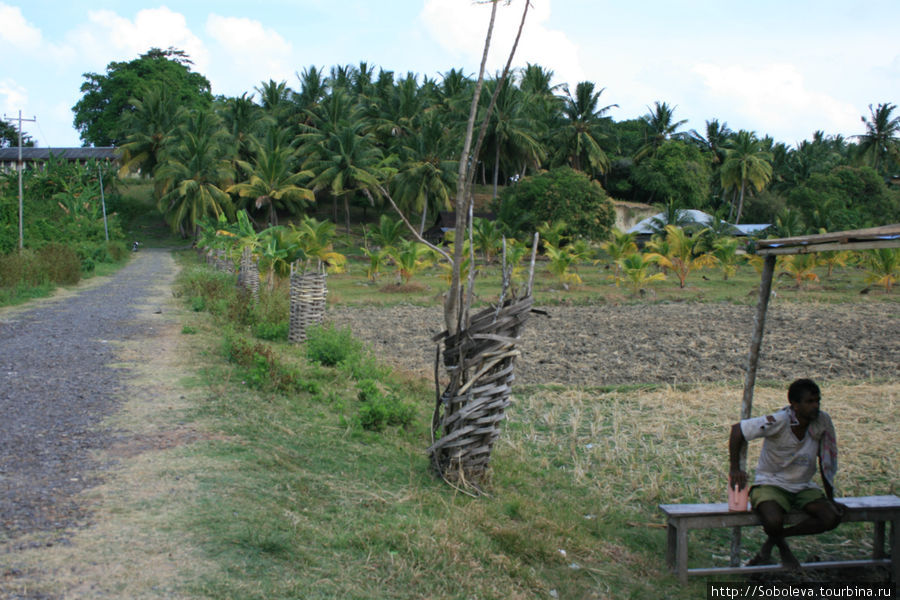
787 500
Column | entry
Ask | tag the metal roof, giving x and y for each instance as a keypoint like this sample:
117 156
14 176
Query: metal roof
41 154
886 236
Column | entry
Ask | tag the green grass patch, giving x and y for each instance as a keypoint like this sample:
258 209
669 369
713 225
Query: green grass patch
320 487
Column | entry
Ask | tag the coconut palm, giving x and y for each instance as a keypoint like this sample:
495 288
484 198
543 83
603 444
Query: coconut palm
410 257
149 128
194 172
582 129
883 267
880 144
344 160
725 251
512 142
563 261
680 253
273 181
636 272
425 178
800 267
487 238
619 246
243 118
660 126
746 164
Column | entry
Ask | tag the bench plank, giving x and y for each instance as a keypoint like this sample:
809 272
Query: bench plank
681 518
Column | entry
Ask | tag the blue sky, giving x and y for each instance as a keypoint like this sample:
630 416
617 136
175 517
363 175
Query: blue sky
784 68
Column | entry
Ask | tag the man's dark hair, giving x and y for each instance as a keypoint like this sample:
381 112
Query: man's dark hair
800 387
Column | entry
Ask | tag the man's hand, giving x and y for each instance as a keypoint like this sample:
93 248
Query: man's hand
739 478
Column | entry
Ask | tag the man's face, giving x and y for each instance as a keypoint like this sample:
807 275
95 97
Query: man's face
808 406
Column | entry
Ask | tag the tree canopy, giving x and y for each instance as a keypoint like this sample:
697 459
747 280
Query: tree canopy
107 98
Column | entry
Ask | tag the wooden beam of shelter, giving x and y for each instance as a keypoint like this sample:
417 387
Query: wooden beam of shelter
886 236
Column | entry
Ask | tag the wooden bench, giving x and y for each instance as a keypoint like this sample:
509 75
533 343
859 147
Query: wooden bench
681 518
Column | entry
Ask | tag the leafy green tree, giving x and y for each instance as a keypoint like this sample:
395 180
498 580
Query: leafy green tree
9 136
746 164
194 172
106 98
561 194
677 173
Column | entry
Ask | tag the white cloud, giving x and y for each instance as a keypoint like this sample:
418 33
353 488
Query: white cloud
13 97
15 30
776 97
109 36
249 53
459 27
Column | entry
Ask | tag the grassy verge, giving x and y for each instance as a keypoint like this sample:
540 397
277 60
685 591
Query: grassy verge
299 497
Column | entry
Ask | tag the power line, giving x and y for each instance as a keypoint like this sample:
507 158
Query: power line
19 165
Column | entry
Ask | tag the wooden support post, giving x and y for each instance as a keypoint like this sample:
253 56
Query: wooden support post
759 327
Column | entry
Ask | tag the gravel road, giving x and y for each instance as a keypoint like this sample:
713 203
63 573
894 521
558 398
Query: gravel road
56 387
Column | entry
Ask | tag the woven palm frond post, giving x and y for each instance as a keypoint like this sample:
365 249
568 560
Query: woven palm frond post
480 360
308 292
248 276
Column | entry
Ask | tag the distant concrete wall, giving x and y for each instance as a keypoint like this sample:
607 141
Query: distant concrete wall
628 214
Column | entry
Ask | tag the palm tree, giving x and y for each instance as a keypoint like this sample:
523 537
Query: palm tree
660 126
425 178
273 182
619 246
680 253
746 163
512 138
149 128
883 267
343 159
581 132
193 173
881 141
635 271
242 118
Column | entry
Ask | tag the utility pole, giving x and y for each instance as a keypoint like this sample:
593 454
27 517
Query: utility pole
19 166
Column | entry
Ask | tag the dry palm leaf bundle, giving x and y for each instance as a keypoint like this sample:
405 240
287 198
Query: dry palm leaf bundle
308 292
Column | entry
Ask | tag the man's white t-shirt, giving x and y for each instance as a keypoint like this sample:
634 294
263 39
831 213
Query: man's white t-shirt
785 461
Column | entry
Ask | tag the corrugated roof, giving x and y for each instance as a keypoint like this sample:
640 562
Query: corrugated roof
38 154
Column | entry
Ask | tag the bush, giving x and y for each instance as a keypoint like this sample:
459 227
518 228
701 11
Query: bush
330 346
562 194
381 407
61 264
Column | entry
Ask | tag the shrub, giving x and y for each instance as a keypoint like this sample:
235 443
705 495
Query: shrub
60 263
330 346
561 194
380 407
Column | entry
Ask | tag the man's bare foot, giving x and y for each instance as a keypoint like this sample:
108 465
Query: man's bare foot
788 560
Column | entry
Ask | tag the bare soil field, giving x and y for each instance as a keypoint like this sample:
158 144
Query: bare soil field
661 343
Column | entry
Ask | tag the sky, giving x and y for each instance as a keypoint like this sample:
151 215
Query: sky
784 68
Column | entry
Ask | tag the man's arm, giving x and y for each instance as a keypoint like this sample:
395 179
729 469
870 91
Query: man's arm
736 444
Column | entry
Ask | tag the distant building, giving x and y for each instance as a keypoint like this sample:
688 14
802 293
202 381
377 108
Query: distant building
36 157
643 230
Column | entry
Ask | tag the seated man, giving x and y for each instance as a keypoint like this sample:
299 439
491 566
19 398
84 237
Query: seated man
796 437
